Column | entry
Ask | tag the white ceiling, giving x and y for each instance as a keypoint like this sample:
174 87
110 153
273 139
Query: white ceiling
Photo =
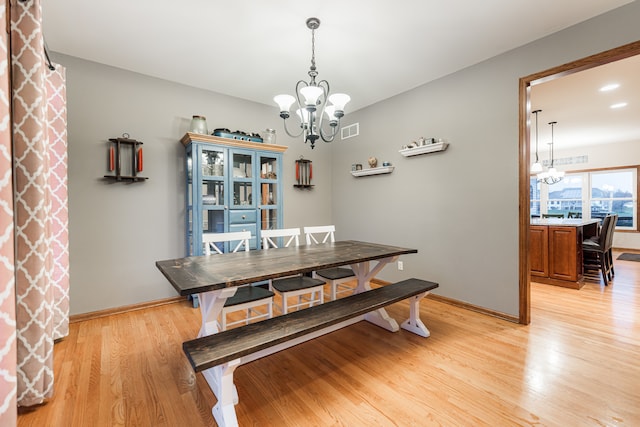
584 112
257 49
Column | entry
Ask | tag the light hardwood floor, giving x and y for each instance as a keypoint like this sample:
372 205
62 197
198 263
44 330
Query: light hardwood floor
576 364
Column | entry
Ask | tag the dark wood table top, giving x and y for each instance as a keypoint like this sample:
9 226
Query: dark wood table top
207 273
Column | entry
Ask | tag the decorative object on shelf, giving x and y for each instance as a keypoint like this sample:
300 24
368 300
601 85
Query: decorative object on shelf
552 175
316 97
199 125
239 135
537 166
414 150
372 171
373 162
127 169
385 164
269 136
304 173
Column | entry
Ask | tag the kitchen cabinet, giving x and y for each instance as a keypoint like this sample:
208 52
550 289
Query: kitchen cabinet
555 250
231 185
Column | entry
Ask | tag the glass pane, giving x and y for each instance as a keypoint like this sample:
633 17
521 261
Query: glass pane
534 197
242 166
269 194
212 163
242 193
565 197
613 192
212 221
213 192
269 219
189 232
268 168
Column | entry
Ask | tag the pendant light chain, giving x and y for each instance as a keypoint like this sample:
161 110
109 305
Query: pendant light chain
313 49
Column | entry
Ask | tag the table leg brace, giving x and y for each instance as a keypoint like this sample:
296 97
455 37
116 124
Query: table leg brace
413 323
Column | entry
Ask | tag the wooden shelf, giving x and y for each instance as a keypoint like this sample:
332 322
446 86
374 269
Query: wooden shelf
373 171
126 178
424 149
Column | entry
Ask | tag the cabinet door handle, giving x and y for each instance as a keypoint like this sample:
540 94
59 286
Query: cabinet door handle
244 217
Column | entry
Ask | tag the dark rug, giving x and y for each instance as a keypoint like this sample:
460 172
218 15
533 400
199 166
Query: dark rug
629 257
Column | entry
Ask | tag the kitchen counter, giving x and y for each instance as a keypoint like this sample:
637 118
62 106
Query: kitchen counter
555 250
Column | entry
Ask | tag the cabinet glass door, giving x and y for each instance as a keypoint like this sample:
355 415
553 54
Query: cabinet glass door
211 191
189 213
242 179
269 196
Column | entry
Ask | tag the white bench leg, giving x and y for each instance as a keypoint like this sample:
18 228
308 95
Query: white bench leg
413 323
225 391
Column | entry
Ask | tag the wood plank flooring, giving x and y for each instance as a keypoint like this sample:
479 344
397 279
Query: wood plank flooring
576 364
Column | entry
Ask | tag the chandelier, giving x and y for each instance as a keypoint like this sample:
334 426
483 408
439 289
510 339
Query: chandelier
314 101
551 176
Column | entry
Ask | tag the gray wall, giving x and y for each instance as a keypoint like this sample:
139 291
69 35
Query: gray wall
458 207
117 231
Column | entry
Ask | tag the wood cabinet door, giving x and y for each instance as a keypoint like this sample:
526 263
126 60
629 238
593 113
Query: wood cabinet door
539 251
563 253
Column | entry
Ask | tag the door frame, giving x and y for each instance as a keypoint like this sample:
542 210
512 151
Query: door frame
524 150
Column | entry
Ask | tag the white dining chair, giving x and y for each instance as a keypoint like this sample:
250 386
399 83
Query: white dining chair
247 297
340 279
309 290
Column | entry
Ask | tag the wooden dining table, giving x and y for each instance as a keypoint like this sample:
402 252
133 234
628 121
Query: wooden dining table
215 278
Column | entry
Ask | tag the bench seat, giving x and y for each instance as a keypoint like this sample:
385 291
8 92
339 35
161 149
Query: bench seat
216 349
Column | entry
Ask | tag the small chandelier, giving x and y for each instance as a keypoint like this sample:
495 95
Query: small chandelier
551 176
537 166
314 100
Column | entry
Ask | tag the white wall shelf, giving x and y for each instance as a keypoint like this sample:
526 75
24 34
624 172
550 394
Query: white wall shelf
424 149
373 171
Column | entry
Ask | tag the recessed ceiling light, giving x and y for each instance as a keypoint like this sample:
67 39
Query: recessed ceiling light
609 87
618 105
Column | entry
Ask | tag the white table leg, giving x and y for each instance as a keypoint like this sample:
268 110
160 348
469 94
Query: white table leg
219 378
211 304
364 275
413 323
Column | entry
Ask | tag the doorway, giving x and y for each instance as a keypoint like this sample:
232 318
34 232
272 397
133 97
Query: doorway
524 149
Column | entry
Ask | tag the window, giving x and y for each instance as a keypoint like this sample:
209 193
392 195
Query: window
615 191
534 197
565 197
590 194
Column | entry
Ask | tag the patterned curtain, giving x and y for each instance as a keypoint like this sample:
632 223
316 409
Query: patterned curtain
8 413
41 254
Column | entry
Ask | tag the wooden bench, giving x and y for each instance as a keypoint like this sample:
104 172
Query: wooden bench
218 355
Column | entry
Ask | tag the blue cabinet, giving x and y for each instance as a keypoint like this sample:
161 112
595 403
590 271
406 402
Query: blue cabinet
231 185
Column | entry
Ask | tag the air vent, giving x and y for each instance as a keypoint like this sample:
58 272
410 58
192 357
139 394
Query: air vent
567 161
350 131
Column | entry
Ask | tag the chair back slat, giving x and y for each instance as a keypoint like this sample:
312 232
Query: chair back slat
210 239
289 235
320 234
